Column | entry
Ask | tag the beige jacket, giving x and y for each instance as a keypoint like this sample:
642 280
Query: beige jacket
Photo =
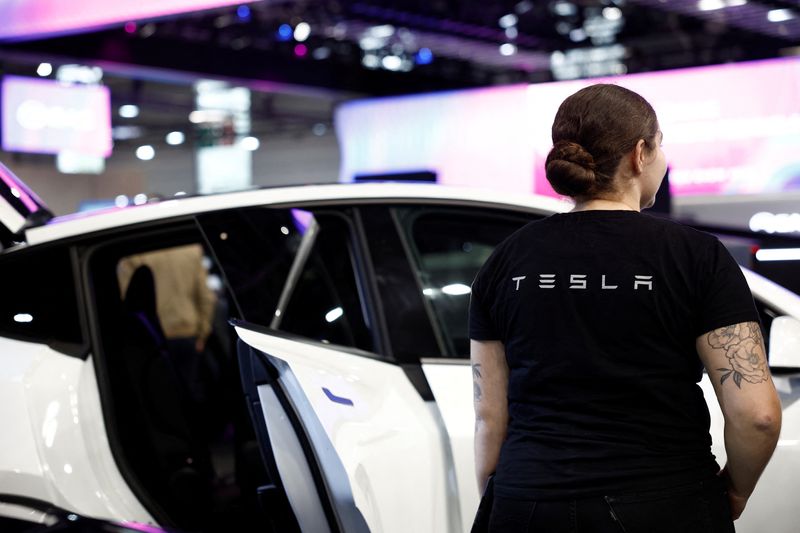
185 304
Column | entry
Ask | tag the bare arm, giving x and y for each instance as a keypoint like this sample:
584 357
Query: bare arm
736 361
490 388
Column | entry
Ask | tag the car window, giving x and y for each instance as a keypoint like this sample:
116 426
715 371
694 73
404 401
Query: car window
448 247
294 271
325 303
39 297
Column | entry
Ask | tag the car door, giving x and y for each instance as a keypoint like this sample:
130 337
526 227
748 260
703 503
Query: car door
349 435
446 246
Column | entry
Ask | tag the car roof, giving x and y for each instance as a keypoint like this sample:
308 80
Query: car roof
86 223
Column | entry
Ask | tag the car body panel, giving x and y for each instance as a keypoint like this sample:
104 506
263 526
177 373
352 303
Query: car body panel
56 445
451 383
82 224
383 431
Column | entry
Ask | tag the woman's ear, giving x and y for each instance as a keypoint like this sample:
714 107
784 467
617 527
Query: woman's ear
639 156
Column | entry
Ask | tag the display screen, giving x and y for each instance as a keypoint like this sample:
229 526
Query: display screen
24 19
46 116
729 129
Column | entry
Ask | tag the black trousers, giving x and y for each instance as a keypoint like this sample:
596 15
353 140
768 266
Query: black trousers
701 507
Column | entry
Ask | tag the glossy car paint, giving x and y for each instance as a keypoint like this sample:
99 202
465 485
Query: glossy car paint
382 430
54 444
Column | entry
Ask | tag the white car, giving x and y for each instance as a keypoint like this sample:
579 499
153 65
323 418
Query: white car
345 403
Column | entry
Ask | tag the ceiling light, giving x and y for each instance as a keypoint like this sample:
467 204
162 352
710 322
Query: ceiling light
207 115
371 61
508 49
424 56
578 35
370 43
512 32
565 9
250 143
126 133
140 199
44 69
175 138
129 111
319 129
145 152
778 254
392 63
23 318
456 289
382 32
284 32
779 15
507 21
323 52
612 13
302 31
121 201
734 3
710 5
523 7
301 50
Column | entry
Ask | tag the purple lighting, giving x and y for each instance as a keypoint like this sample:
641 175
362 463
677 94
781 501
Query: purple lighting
24 194
29 19
130 27
45 116
301 50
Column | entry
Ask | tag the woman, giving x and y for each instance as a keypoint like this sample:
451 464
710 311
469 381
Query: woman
590 330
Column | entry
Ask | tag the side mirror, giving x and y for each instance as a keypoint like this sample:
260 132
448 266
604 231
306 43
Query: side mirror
784 343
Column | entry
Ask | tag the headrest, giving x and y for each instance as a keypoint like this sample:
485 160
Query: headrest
141 293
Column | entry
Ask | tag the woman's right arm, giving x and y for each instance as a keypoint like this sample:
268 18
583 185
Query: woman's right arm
736 361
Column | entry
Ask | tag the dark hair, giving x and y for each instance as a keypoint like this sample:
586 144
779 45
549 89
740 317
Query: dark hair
592 130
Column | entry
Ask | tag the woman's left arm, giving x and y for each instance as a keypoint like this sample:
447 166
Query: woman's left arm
490 398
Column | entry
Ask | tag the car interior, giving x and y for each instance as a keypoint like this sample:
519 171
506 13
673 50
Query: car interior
193 460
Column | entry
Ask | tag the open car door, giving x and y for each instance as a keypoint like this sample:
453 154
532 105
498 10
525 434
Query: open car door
349 442
308 489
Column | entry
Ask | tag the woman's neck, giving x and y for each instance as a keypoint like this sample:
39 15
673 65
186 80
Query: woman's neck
602 204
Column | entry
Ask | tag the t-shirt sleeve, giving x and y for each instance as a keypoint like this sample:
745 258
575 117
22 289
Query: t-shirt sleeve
481 325
725 297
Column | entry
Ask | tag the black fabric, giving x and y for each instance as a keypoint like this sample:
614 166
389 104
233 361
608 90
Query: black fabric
701 507
481 522
599 312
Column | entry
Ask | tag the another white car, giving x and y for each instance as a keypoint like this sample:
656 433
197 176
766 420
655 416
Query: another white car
341 400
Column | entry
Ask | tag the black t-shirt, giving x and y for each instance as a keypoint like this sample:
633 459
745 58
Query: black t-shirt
599 312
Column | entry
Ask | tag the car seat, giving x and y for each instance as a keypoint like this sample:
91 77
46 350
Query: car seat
173 462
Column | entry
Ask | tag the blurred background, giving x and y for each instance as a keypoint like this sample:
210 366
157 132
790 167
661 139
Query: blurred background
110 104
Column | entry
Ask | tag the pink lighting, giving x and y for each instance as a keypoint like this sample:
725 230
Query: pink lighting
301 50
45 116
729 129
14 185
27 19
130 27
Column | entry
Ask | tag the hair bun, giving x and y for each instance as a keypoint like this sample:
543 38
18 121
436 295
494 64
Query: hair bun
570 169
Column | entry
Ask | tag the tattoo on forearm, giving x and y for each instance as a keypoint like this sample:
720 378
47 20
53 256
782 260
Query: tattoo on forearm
744 347
476 386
